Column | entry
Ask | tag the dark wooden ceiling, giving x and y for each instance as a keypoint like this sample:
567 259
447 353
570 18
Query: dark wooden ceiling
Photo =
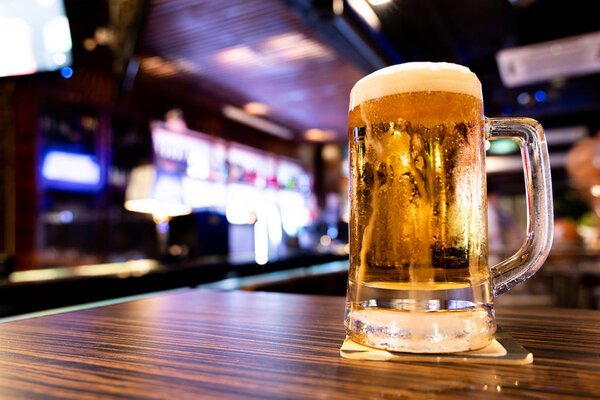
240 51
288 54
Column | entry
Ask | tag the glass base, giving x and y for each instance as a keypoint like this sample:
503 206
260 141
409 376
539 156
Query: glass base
422 331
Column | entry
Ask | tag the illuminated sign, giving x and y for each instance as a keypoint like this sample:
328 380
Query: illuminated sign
71 171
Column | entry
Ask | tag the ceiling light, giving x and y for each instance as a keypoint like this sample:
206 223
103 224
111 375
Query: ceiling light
185 65
158 67
239 115
366 13
378 2
318 135
238 54
338 7
292 46
256 108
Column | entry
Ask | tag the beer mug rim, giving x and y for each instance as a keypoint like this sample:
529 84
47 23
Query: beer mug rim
416 77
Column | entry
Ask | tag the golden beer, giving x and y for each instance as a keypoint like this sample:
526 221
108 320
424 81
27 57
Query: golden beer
419 278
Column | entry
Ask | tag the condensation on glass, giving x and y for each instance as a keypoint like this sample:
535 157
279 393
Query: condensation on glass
419 277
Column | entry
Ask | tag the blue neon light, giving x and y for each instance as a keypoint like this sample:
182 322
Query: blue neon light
540 96
66 72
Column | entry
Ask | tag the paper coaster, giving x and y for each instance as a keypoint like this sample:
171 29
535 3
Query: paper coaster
503 350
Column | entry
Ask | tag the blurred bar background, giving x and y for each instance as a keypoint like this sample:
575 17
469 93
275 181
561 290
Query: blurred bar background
147 145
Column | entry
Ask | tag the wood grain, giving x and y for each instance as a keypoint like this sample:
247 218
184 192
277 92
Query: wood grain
200 344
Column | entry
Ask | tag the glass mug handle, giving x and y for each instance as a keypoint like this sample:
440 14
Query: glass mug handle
528 133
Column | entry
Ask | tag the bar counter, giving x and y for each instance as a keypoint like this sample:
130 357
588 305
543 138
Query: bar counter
235 344
33 290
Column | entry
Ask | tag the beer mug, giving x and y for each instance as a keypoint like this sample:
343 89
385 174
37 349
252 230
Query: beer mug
419 279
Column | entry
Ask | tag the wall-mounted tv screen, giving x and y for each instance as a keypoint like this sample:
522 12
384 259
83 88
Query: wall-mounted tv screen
34 36
71 171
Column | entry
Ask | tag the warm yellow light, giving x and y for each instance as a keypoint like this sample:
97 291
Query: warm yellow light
121 269
157 66
90 44
255 108
331 153
157 208
175 250
238 54
378 2
319 135
294 46
595 190
103 35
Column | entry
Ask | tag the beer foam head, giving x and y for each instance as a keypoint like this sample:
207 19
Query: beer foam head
415 77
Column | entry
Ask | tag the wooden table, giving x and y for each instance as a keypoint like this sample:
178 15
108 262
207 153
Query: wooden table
193 344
